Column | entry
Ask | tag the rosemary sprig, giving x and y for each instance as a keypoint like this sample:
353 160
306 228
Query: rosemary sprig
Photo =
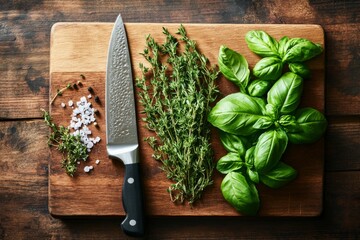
176 93
70 145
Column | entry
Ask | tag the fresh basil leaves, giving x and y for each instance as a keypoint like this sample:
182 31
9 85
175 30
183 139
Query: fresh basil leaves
311 124
269 150
269 68
280 175
241 193
259 122
237 113
286 92
262 43
234 67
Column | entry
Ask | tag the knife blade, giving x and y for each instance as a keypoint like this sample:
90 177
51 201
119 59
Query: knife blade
121 127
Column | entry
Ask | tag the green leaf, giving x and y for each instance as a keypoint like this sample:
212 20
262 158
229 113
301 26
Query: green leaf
240 193
237 113
300 50
249 157
268 68
280 175
272 111
253 175
263 123
285 94
269 149
300 69
234 67
262 43
312 125
282 46
259 87
229 163
289 123
234 143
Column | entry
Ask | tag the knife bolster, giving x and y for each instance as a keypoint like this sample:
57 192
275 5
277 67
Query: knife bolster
129 154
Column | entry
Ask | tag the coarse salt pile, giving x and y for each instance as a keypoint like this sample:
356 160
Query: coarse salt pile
82 116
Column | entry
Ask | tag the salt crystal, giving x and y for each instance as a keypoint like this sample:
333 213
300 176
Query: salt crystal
87 169
63 105
89 145
81 117
89 96
91 167
97 161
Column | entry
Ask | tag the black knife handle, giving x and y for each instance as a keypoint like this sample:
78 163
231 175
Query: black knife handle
133 225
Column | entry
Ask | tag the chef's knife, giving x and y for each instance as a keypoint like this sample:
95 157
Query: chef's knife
121 129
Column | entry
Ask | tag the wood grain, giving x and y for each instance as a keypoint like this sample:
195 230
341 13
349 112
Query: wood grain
24 73
77 49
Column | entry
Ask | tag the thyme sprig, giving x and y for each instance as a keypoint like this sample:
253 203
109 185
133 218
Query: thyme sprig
68 144
176 93
59 92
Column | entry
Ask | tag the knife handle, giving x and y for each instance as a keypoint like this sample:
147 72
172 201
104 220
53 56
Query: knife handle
133 225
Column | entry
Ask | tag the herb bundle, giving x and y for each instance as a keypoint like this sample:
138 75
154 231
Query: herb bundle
176 92
258 123
69 144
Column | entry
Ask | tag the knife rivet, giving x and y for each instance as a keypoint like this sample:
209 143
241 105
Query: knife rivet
131 180
132 222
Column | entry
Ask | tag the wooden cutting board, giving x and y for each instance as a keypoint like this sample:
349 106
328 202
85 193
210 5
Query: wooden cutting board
81 48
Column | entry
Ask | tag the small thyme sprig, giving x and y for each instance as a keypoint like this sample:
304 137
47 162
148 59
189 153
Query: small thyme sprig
59 92
176 93
70 145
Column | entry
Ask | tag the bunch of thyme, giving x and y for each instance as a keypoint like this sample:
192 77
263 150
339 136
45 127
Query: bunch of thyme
70 145
176 93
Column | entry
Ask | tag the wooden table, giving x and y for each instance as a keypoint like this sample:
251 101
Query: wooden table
24 75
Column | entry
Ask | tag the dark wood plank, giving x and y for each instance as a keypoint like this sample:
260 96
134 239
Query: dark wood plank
342 144
342 69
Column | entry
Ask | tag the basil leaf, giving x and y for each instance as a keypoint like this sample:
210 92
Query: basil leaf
234 143
240 193
300 50
269 149
271 111
282 46
285 94
234 67
261 43
253 175
259 87
236 114
280 175
263 123
312 125
300 69
289 123
229 163
268 68
249 156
